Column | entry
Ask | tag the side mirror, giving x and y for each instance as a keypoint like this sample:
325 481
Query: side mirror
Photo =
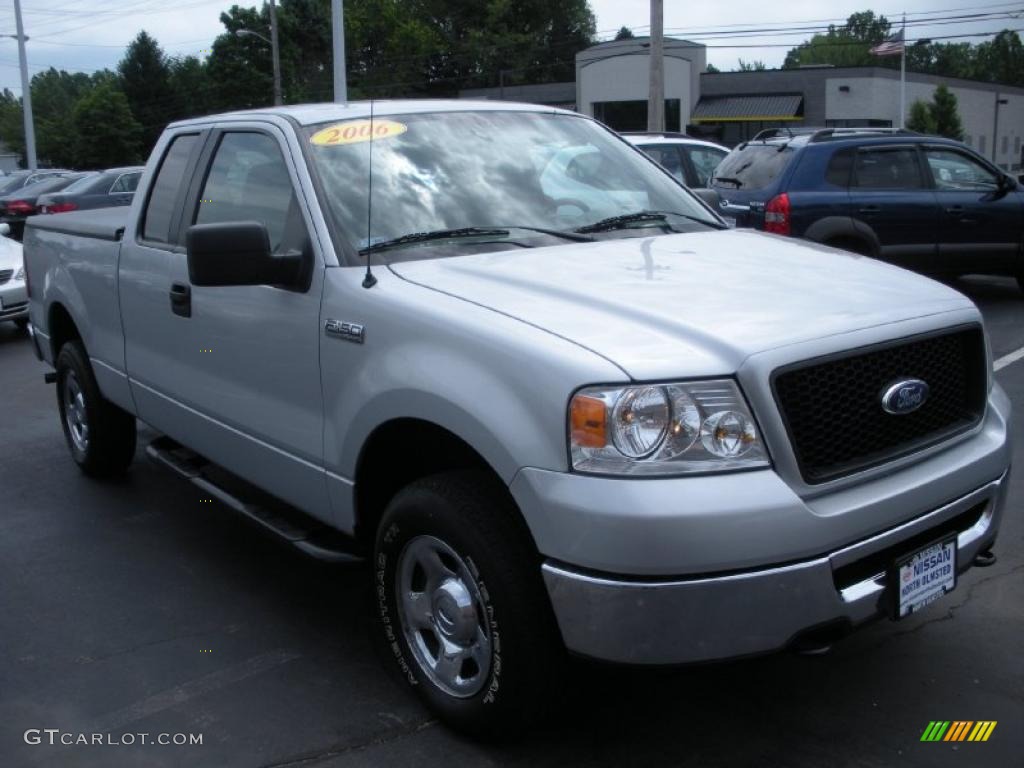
5 229
237 253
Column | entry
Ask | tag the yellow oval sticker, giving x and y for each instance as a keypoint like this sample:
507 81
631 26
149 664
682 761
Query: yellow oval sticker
356 131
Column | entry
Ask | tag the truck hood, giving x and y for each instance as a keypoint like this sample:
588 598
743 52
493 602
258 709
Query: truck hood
687 304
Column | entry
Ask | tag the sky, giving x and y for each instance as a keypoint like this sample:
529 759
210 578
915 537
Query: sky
89 36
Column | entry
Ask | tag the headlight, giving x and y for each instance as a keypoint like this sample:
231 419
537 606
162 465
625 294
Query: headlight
663 429
20 275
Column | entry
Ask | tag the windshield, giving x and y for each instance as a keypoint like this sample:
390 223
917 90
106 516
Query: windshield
457 170
754 166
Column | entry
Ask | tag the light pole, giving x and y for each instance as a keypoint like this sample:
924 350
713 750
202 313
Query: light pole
26 90
656 92
995 125
338 35
272 42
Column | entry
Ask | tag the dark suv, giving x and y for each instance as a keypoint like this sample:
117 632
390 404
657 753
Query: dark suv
922 202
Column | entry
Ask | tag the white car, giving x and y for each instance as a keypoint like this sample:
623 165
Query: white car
691 161
13 294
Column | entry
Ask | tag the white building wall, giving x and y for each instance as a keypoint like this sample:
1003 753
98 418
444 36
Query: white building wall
626 78
879 99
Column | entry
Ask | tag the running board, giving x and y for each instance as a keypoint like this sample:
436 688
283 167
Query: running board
298 529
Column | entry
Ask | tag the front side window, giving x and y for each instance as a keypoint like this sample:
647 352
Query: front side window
443 171
248 181
668 157
169 180
887 168
955 170
705 160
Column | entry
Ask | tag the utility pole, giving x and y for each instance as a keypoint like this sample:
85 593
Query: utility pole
276 54
656 97
338 32
995 125
26 91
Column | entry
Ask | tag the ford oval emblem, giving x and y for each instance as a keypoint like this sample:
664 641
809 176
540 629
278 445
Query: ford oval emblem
904 396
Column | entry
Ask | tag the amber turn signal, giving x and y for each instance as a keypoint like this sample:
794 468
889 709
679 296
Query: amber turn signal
589 422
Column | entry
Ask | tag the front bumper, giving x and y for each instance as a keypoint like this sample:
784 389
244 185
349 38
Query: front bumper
758 611
13 300
678 570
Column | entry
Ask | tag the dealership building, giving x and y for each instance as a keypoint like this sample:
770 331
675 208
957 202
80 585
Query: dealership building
612 84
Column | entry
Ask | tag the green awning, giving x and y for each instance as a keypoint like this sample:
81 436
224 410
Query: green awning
756 108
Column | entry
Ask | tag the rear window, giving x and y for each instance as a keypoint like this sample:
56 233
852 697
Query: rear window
754 166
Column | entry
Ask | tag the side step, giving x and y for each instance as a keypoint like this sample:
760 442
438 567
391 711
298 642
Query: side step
300 530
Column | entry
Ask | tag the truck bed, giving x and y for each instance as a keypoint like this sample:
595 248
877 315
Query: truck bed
101 223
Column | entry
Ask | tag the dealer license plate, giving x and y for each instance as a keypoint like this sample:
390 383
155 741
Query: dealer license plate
925 576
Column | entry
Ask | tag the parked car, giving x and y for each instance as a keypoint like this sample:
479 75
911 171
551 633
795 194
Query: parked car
18 179
922 202
691 161
106 189
16 206
643 437
13 296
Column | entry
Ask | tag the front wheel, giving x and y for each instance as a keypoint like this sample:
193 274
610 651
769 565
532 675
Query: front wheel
464 614
100 436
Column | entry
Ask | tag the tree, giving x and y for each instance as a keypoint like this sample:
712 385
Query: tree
920 119
191 86
624 33
846 46
712 69
1000 60
105 134
145 82
751 66
945 114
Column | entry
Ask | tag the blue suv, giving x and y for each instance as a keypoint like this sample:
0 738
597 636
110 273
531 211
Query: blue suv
922 202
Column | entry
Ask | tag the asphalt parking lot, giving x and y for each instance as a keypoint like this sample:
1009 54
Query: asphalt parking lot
137 607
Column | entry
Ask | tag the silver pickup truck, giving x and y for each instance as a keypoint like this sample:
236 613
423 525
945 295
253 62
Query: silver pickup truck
551 398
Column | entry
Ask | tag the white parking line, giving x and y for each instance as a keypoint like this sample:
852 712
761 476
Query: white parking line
1005 360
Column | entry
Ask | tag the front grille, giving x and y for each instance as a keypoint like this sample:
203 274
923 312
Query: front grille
833 412
5 275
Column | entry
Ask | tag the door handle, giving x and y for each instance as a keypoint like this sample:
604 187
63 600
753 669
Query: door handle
181 299
870 209
955 209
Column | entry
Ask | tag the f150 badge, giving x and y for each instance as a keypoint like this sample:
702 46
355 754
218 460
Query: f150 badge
341 330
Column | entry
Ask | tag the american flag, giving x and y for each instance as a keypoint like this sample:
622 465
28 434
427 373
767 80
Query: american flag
891 46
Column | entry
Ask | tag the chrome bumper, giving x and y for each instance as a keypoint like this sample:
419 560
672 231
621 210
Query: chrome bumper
756 611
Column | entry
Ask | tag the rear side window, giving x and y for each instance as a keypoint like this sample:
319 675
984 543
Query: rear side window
126 182
888 168
839 168
169 180
668 157
704 160
754 166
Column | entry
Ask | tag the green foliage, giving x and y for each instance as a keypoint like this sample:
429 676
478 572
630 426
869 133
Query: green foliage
105 133
624 33
751 66
712 68
920 118
146 82
946 115
845 46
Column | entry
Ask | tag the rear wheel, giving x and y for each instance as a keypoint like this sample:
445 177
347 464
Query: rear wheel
100 436
852 245
463 610
21 324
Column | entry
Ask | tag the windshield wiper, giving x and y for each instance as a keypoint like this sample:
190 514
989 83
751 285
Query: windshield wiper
437 234
448 234
623 221
728 180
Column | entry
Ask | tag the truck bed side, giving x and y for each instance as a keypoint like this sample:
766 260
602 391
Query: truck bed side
72 261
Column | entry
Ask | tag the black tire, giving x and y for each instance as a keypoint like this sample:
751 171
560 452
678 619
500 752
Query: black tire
853 246
474 515
109 444
21 324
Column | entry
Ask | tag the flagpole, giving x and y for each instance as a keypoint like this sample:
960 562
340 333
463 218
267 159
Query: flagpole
903 75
